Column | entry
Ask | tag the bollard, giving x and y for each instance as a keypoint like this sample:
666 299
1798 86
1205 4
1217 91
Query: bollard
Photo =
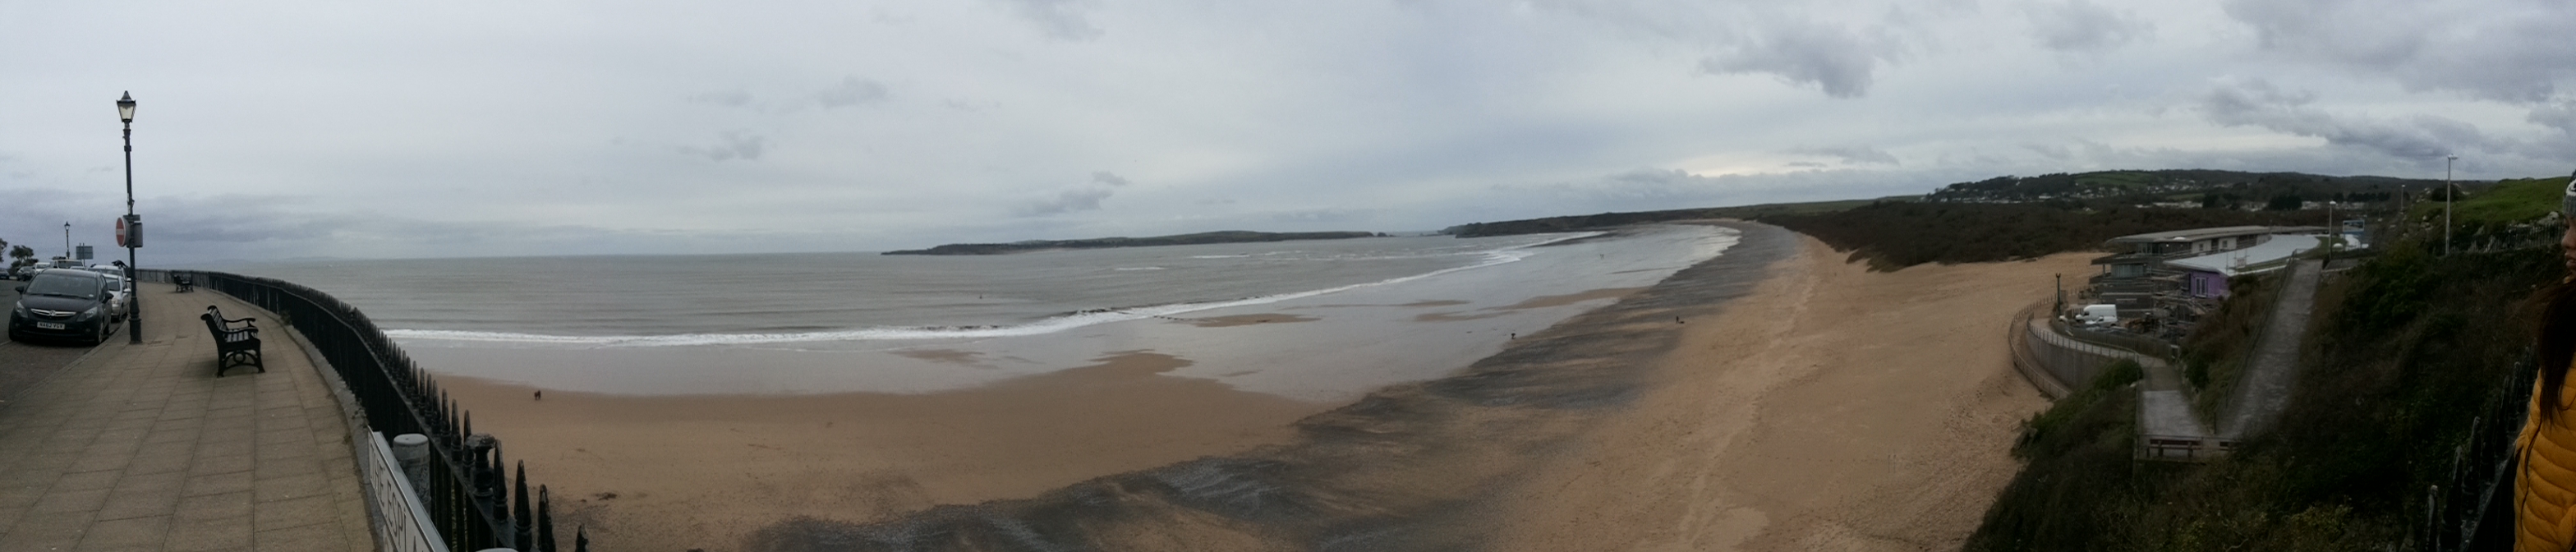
412 451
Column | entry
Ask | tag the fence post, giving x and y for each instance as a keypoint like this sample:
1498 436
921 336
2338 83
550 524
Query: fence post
2432 530
545 523
523 520
412 451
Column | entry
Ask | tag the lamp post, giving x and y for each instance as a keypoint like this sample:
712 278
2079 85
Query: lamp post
133 227
2447 199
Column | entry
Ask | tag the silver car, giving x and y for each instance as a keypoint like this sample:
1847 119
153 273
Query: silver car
118 287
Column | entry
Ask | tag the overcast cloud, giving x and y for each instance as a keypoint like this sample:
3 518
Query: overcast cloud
287 129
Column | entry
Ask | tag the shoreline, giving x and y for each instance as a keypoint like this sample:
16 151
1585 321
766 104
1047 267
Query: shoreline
1410 466
755 464
1366 332
1734 405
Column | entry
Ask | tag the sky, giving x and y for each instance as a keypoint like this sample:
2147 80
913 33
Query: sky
270 130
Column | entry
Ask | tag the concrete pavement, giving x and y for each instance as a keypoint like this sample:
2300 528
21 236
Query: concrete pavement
2274 367
141 447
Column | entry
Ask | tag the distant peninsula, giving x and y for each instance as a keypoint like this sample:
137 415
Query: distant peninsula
1227 236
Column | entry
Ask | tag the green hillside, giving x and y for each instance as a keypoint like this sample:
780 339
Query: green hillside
2407 354
2507 202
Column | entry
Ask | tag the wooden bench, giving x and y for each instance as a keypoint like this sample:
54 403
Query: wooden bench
234 346
185 283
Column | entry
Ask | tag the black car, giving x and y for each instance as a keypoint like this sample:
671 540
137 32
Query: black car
63 303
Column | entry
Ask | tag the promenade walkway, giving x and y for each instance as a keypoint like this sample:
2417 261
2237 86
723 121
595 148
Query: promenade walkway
2275 363
2163 409
141 447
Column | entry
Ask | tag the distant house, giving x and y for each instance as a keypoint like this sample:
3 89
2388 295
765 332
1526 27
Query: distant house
2192 263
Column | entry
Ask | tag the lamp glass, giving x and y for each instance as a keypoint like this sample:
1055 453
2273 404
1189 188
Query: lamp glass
125 107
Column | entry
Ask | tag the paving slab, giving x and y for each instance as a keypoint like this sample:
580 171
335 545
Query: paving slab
139 446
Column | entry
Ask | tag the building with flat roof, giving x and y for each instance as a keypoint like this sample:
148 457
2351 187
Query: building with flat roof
2180 273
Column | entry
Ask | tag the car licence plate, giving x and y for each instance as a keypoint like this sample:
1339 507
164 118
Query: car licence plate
49 325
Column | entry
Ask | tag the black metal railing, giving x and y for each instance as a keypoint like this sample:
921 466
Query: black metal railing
2130 342
472 503
2474 511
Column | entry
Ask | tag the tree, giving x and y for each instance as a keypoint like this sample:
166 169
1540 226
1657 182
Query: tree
2284 202
21 256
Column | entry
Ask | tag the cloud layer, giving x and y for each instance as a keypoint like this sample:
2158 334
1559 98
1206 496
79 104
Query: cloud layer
574 127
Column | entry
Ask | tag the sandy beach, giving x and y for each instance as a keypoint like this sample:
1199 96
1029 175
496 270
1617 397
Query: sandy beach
1835 409
754 460
1773 398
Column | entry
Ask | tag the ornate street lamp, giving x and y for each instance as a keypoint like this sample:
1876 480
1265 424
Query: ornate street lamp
133 227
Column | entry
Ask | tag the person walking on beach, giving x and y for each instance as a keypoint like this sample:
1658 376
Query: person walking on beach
2544 483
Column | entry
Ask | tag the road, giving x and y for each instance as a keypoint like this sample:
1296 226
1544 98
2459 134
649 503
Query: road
23 365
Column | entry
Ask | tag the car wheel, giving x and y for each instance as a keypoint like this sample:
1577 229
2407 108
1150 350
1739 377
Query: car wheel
99 337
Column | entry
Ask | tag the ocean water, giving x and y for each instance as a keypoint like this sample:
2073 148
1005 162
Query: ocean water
833 322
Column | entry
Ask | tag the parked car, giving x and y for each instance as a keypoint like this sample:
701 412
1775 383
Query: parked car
65 304
116 303
123 286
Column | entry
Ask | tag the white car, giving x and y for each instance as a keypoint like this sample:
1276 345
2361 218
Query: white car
117 288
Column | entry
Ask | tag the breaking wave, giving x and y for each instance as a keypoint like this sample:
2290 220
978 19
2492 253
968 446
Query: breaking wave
1052 324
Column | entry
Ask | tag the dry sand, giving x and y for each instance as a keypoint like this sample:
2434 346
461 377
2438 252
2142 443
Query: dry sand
1835 409
1824 407
750 461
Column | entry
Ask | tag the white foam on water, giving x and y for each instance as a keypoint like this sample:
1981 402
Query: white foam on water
1045 326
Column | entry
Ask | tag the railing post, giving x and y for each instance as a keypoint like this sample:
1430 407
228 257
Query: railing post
412 451
2432 529
545 523
524 520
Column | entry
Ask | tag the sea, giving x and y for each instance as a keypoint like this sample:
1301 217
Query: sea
1322 320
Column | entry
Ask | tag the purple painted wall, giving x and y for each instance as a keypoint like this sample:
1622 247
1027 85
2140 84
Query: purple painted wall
2208 285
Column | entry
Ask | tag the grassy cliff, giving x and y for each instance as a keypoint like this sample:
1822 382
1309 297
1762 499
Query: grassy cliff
1894 235
2404 353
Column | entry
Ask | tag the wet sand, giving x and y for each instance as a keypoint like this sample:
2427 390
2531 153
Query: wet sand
1409 467
1246 320
1742 404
